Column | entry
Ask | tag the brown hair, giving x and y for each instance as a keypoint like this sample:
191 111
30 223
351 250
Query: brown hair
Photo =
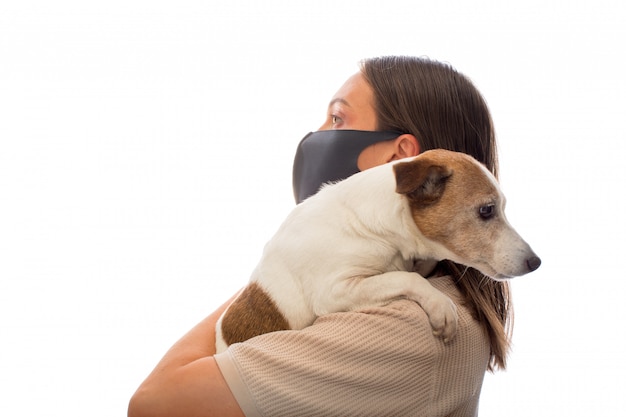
443 109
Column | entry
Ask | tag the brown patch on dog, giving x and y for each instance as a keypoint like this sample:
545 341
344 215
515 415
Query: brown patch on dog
253 313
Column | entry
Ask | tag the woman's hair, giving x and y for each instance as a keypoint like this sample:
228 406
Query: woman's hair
443 109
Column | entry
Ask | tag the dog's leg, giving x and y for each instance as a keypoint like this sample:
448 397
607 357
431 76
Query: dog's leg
358 293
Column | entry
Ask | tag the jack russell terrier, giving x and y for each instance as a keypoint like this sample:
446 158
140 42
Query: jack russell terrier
354 244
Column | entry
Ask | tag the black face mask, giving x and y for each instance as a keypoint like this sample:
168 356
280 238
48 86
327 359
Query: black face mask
329 156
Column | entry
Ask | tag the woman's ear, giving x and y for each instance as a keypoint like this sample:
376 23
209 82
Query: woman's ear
406 146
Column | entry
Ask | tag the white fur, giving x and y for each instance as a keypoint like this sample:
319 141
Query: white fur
337 252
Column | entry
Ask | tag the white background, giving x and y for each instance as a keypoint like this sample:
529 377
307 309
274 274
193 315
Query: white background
145 158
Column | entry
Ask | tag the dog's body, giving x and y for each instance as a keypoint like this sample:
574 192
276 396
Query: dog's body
355 243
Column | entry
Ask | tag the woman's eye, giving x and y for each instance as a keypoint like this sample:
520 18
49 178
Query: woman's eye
335 119
487 211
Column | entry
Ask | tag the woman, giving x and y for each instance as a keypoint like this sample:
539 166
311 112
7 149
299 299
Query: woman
380 361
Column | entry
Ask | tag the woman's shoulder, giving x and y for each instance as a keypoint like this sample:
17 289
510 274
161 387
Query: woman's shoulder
405 322
402 324
386 354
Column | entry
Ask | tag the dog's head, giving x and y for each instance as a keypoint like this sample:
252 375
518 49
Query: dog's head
457 205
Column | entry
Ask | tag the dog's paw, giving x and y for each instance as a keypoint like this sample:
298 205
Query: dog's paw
443 316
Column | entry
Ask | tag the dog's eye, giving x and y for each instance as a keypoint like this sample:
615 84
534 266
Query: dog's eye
487 212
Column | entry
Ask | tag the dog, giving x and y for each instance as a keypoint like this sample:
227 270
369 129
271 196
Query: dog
356 242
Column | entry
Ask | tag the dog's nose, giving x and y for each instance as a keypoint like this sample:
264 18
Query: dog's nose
533 263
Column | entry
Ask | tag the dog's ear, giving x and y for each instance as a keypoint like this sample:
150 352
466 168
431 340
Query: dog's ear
421 180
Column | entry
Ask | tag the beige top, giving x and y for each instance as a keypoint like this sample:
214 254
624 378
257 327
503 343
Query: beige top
379 362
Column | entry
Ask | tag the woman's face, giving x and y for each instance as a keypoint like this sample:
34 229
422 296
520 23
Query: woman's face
352 107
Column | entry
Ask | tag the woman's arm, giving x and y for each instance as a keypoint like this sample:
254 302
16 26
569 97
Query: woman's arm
187 381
